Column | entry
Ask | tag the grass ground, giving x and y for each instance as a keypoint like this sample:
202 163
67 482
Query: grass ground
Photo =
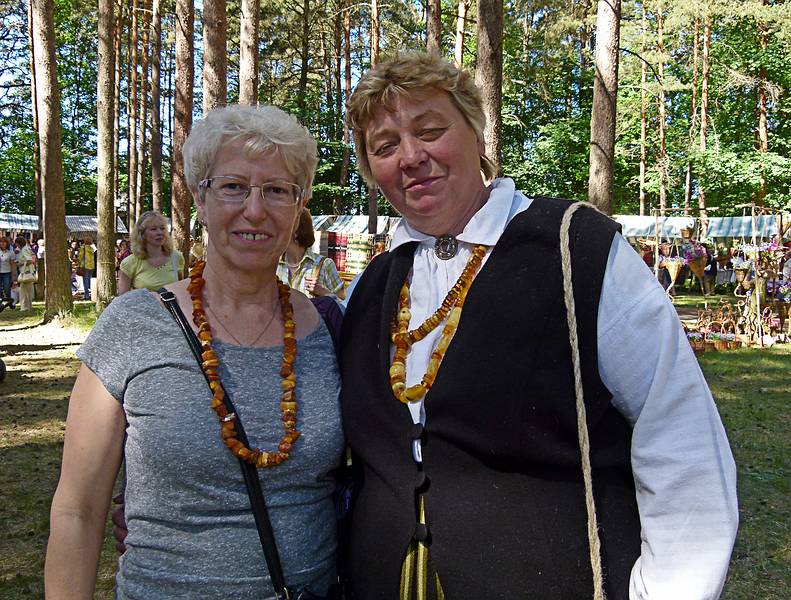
752 388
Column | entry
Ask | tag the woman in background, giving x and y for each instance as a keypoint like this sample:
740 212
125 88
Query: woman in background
153 263
26 273
303 269
86 258
7 273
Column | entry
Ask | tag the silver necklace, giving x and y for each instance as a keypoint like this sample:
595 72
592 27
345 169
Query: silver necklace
236 339
446 246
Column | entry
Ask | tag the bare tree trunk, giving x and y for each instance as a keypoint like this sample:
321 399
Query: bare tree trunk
347 86
304 57
704 108
36 149
170 53
132 118
373 191
117 102
662 160
434 26
156 121
461 21
763 133
605 103
57 271
142 127
693 109
181 199
248 53
215 55
643 116
105 96
489 73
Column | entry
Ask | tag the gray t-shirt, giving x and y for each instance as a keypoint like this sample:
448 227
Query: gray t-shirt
191 528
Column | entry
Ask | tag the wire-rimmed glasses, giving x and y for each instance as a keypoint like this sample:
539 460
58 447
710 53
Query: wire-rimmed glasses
235 191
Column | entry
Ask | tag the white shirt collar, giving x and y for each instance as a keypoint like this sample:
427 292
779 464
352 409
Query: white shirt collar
485 227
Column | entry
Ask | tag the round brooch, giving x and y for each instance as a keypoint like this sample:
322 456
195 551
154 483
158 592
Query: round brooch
446 247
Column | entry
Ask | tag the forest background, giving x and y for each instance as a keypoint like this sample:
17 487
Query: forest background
309 52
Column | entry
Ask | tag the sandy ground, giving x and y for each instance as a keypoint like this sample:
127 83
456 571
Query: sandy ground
51 334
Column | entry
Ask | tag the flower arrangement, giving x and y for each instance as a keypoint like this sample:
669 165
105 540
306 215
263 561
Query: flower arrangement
693 251
784 291
694 336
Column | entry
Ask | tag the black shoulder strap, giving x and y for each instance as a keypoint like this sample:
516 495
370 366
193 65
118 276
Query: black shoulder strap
333 318
249 472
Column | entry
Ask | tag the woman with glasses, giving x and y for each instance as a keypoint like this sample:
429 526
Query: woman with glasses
153 262
191 532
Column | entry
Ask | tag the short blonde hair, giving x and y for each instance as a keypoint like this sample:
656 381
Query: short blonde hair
256 129
406 74
146 220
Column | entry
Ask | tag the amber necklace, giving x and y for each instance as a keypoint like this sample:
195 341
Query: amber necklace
211 367
403 338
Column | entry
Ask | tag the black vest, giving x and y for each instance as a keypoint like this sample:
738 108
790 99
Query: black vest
505 502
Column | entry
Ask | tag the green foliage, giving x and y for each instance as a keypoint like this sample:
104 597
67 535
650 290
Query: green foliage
547 94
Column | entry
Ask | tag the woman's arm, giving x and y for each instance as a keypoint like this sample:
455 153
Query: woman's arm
91 458
124 283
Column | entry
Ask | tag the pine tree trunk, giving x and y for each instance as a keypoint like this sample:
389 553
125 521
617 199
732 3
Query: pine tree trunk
704 108
181 199
142 127
373 191
304 56
156 121
105 96
461 21
248 53
36 149
117 101
434 26
763 132
347 85
489 73
693 110
215 54
132 118
662 122
57 271
643 116
605 105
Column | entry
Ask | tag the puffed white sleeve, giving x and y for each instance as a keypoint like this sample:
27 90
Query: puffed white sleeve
684 472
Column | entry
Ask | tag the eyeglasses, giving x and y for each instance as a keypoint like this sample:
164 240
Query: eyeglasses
233 191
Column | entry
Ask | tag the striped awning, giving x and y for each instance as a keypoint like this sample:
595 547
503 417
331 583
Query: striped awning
646 226
88 224
357 224
738 227
16 222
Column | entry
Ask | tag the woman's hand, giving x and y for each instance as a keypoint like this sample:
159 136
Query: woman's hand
91 457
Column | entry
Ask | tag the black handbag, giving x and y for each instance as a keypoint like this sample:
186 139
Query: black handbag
250 473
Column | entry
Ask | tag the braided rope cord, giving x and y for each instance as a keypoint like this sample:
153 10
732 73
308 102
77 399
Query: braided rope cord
582 427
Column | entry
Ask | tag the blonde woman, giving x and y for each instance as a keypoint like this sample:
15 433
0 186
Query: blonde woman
153 263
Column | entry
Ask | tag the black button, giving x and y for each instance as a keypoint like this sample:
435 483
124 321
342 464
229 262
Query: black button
416 431
421 482
421 533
